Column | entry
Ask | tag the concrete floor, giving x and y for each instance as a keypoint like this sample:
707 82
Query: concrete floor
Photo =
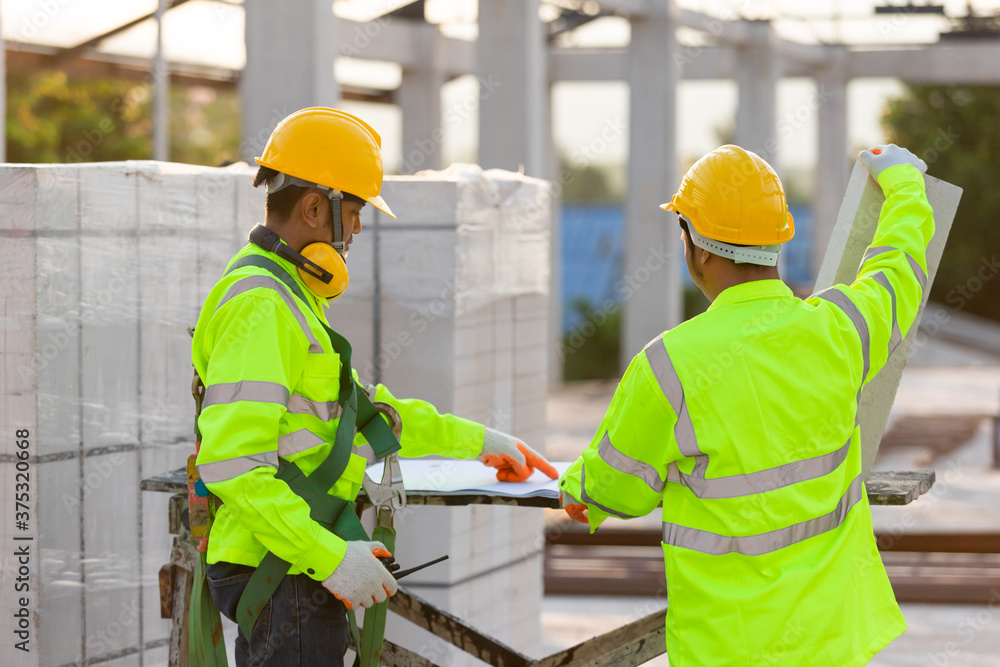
938 635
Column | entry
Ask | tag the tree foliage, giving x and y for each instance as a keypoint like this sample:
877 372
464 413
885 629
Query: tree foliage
953 129
587 183
52 117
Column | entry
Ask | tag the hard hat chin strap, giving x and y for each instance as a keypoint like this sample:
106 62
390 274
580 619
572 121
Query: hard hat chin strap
762 255
282 181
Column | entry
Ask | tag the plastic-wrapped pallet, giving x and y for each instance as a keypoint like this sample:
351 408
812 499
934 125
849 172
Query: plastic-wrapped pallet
106 265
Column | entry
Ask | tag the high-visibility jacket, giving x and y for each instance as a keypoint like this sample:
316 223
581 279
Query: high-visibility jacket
271 387
743 421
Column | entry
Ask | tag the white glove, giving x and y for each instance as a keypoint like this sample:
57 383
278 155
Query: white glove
361 580
514 460
880 158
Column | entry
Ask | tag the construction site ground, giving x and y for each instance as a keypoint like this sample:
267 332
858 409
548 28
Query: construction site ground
943 419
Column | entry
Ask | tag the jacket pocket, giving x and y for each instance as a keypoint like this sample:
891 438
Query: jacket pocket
321 377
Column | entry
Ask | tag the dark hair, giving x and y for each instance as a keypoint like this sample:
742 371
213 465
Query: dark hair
282 202
690 246
687 236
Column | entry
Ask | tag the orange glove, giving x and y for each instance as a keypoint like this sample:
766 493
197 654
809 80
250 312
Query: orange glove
576 510
514 460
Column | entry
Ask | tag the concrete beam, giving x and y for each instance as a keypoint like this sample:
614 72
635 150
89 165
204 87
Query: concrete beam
855 229
695 62
290 57
512 87
651 254
802 56
732 33
400 41
971 64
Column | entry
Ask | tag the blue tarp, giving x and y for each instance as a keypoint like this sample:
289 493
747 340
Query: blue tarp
593 254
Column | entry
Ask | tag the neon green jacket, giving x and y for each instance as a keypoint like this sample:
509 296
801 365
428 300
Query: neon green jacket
271 385
743 422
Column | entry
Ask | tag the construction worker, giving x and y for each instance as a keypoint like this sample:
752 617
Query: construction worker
277 382
743 422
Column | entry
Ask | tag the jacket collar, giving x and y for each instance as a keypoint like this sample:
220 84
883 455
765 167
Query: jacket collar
752 291
315 303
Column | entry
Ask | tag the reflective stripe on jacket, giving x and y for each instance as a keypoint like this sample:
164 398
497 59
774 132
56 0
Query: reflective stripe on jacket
271 387
743 422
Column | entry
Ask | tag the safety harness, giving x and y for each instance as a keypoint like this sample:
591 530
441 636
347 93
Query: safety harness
335 514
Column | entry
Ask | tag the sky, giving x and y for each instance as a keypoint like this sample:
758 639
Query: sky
211 32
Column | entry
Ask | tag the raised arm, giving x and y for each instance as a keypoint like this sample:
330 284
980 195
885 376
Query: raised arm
883 301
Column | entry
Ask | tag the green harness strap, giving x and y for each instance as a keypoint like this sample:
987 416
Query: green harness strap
206 647
357 412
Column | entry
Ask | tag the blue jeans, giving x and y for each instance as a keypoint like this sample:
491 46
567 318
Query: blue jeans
302 625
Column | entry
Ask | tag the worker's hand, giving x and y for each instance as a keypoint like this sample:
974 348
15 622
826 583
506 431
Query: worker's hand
576 510
880 158
514 460
361 580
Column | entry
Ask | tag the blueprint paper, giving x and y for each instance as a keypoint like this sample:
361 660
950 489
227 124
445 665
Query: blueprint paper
457 477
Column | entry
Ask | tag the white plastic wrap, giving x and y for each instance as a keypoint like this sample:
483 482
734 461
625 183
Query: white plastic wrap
105 266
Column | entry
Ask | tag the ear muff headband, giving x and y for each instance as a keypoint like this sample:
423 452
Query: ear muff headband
320 265
280 181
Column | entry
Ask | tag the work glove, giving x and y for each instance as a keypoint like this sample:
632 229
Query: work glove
361 580
880 158
576 510
514 460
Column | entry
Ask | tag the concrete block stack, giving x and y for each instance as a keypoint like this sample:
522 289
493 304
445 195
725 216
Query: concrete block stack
458 300
105 268
106 265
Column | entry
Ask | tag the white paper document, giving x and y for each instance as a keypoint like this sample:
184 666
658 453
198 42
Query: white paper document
457 477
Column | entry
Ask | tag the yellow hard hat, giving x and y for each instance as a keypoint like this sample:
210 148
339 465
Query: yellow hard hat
733 196
329 147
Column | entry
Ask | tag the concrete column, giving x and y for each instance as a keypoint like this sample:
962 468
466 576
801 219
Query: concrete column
832 162
419 97
291 47
653 300
512 86
757 74
161 91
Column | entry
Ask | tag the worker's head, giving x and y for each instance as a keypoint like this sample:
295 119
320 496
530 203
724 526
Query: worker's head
733 216
304 211
321 166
